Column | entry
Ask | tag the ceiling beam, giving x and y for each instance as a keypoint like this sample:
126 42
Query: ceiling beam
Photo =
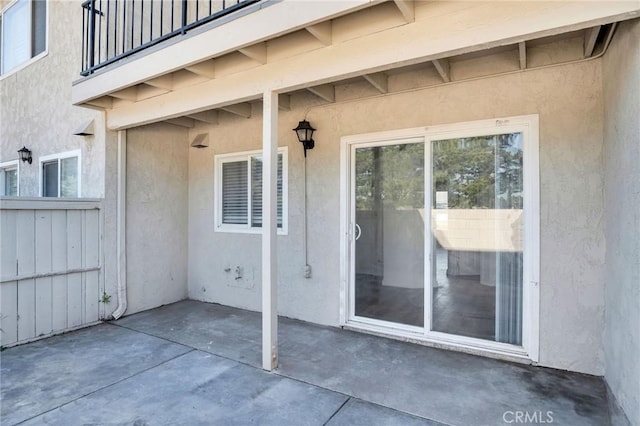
443 68
209 117
522 51
182 122
284 102
322 31
128 94
243 109
203 69
325 91
378 80
407 9
105 102
257 52
145 92
164 82
590 38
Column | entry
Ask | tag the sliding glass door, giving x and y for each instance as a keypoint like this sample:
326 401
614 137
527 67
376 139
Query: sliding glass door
477 236
389 240
440 246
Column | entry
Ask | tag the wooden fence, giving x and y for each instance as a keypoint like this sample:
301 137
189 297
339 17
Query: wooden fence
51 277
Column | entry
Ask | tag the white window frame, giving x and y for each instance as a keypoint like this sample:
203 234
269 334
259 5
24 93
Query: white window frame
528 126
58 157
220 159
9 165
33 59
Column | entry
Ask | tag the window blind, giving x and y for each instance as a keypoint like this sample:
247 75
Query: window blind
234 192
256 192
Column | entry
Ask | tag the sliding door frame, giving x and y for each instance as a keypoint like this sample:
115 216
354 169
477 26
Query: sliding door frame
528 126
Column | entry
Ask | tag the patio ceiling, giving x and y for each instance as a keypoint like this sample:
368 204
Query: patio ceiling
314 58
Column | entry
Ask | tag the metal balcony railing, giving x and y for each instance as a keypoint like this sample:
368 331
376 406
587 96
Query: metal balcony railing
115 29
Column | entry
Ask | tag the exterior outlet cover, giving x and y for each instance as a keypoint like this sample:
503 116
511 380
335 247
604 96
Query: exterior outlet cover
307 271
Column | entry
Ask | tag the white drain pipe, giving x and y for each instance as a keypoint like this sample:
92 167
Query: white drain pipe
121 249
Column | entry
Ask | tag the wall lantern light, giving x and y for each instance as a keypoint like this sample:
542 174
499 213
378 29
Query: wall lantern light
304 131
25 155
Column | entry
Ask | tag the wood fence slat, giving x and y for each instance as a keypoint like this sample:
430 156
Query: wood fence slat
25 241
43 241
8 255
74 300
43 312
26 309
59 240
92 238
8 313
74 239
59 302
92 295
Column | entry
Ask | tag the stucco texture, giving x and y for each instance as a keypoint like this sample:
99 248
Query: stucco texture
568 100
36 110
156 216
621 82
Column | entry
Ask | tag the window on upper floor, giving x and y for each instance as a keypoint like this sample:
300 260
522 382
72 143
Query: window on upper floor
9 178
60 175
23 33
239 192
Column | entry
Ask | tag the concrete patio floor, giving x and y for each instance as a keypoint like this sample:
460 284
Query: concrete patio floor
198 363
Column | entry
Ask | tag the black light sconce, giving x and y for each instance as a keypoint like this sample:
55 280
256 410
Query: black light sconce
304 131
25 155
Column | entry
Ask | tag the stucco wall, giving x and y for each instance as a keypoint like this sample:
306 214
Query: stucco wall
36 110
569 102
156 216
621 82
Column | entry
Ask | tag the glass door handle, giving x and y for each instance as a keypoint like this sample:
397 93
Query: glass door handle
358 232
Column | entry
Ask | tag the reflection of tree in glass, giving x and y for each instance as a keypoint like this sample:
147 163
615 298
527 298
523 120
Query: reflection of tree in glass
479 172
392 175
69 177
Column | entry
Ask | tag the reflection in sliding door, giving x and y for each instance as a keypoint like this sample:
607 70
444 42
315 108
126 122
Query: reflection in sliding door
389 248
477 230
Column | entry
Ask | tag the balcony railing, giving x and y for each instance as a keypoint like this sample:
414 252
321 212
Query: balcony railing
115 29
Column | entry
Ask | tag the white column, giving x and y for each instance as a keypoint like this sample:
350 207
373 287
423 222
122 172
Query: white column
269 231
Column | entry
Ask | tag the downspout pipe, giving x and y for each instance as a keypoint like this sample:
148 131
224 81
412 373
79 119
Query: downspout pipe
121 252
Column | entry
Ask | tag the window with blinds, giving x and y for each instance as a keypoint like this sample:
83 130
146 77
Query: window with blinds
235 204
239 192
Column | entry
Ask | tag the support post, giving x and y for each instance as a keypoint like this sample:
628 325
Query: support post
269 230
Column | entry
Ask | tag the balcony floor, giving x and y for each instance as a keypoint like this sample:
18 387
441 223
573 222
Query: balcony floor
198 363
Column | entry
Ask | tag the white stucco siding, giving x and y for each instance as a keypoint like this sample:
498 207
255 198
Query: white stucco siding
36 109
156 216
569 102
621 82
